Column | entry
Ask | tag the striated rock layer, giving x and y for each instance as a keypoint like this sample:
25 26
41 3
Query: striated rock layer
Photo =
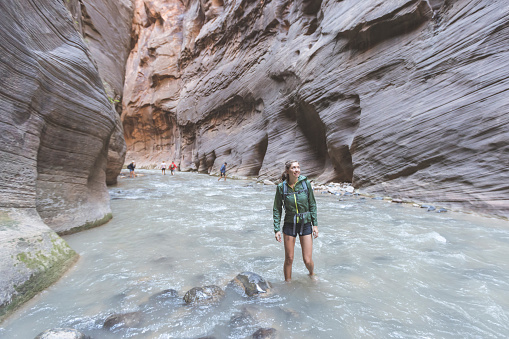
105 26
57 129
406 98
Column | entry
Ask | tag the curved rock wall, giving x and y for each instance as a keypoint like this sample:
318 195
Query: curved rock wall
105 26
58 129
406 98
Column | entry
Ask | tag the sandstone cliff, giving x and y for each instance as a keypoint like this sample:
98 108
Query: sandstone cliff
105 26
58 128
406 98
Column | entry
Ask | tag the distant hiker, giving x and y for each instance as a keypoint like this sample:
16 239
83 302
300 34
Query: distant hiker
173 167
163 168
131 168
223 172
296 196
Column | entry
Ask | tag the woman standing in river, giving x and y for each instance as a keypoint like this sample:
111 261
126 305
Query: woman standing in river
296 196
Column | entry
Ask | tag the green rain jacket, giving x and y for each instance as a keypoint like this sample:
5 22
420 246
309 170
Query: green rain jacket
302 202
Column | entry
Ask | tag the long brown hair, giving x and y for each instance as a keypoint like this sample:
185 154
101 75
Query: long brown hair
288 164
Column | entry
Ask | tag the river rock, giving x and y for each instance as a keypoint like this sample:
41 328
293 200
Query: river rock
165 295
123 320
265 333
210 293
383 94
62 333
252 284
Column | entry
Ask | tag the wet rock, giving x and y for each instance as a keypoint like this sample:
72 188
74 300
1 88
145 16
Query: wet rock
397 201
243 318
441 210
165 295
62 333
209 293
123 320
378 198
252 283
431 208
265 333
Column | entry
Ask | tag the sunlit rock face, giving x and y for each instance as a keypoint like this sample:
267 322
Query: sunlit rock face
403 98
57 126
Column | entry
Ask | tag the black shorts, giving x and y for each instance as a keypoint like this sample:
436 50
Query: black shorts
288 229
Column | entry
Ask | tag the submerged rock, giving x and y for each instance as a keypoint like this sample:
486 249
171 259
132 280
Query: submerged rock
252 283
265 333
209 293
165 295
62 333
123 320
243 318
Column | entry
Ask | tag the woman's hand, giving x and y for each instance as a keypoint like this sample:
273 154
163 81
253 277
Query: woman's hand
278 236
315 232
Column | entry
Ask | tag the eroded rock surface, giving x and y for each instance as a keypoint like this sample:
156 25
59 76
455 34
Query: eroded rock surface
105 26
56 128
404 98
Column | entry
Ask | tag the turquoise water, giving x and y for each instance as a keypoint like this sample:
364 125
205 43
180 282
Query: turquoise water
383 270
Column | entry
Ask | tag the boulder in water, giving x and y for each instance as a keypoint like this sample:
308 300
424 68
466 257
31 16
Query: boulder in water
123 320
209 293
252 283
62 333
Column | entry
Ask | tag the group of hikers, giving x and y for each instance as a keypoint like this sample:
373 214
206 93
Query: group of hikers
173 167
295 196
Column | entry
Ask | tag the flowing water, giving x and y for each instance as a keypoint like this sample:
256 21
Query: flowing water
383 270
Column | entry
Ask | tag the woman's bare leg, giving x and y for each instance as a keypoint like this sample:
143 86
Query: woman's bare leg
289 251
306 242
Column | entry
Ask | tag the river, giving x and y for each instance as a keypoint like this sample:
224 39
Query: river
384 270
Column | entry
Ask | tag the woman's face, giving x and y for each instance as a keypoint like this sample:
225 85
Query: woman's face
294 170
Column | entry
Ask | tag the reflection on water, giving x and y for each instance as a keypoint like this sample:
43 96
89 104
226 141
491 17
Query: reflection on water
384 270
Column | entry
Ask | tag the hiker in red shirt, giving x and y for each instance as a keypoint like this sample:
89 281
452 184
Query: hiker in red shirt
172 168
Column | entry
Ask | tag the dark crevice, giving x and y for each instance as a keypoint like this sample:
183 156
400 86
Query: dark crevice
414 168
400 22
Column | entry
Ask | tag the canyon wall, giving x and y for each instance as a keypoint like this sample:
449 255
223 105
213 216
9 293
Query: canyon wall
60 134
105 26
406 98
